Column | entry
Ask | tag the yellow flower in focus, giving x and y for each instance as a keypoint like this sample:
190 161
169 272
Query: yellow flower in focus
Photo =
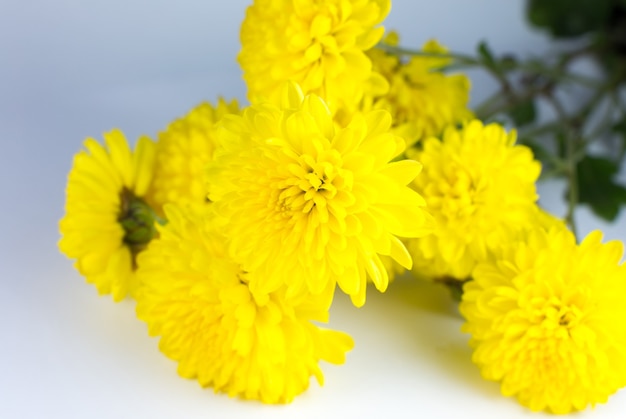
547 319
182 153
308 204
317 44
107 222
480 187
198 301
421 98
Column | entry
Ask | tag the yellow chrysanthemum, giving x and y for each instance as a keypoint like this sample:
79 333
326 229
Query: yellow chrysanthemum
480 186
182 152
107 222
318 44
421 98
198 301
307 203
548 320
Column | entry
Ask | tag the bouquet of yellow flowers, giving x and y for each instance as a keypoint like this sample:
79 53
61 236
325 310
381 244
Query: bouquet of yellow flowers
355 161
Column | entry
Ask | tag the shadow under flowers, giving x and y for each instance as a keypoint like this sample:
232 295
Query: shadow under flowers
413 329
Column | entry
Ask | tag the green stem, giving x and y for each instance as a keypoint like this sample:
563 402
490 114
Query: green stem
618 102
461 61
546 128
572 180
571 135
459 58
510 99
483 110
553 173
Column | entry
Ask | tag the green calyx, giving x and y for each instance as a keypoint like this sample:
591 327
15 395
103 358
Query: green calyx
138 221
454 285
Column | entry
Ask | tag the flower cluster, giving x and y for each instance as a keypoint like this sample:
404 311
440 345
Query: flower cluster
234 229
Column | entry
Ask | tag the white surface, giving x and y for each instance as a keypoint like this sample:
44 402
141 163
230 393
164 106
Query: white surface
71 69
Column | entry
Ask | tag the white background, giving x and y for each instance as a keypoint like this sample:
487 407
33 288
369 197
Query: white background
71 69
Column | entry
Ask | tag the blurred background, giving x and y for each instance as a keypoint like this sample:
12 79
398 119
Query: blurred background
72 69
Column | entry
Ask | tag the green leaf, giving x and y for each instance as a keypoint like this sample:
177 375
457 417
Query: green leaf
561 144
454 285
597 188
508 62
569 18
620 129
523 113
484 52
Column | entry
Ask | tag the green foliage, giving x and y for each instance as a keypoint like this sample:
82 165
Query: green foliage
570 18
603 25
597 187
620 129
485 54
523 113
577 113
540 152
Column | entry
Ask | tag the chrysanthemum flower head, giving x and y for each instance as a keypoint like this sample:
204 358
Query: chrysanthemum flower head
480 186
107 222
308 204
182 152
421 98
198 301
547 319
317 44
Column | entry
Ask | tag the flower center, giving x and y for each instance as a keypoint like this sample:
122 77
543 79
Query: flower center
561 316
313 184
456 197
138 221
242 276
